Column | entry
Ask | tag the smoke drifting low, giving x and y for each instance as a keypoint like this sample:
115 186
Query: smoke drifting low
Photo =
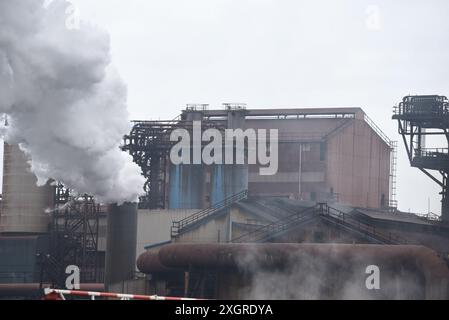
66 105
330 272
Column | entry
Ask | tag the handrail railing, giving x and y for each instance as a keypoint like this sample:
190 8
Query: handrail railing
367 229
271 207
270 230
431 152
378 130
178 226
428 106
287 223
430 217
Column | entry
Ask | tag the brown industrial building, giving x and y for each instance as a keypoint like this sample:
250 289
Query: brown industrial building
224 231
326 154
311 230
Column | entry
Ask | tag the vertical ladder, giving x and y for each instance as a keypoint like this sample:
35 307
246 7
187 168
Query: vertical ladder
393 173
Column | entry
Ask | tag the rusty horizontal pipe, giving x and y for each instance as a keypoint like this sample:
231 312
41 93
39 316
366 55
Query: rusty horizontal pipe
336 265
150 261
184 256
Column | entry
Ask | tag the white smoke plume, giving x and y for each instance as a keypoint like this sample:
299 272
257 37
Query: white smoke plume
307 276
66 105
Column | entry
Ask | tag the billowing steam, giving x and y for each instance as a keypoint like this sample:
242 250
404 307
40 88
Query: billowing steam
65 103
306 275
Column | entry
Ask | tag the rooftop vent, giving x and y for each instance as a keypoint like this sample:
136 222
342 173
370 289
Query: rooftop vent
234 106
197 107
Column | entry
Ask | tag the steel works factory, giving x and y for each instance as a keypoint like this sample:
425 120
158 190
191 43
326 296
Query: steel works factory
318 228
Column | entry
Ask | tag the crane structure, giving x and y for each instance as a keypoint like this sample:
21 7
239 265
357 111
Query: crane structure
419 118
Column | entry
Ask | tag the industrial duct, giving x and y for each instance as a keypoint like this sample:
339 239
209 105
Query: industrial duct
121 243
406 271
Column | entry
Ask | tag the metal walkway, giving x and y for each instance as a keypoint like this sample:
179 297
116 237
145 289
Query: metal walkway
329 214
419 118
366 230
178 227
269 231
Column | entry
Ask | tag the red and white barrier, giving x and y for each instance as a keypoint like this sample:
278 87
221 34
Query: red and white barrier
55 294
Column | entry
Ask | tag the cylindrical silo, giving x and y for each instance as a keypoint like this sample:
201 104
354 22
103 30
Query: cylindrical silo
186 187
121 243
218 192
228 180
24 204
236 179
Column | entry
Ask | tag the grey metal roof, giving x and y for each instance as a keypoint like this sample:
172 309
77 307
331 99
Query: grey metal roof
397 216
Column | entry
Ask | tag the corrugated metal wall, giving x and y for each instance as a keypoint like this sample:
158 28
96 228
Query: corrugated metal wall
24 204
358 168
18 258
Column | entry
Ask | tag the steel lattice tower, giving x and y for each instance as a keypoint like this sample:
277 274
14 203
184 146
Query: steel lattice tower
420 117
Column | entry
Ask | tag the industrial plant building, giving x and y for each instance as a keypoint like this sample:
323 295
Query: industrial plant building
328 154
224 231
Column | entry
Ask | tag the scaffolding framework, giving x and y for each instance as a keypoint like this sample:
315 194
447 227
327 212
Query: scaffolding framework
74 238
149 144
420 117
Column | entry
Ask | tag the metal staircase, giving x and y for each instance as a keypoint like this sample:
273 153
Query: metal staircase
74 237
347 222
51 270
178 227
329 214
274 229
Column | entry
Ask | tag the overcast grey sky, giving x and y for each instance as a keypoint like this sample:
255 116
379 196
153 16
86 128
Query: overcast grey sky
281 53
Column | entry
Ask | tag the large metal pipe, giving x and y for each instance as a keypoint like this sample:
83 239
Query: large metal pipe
281 254
121 243
151 261
335 264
